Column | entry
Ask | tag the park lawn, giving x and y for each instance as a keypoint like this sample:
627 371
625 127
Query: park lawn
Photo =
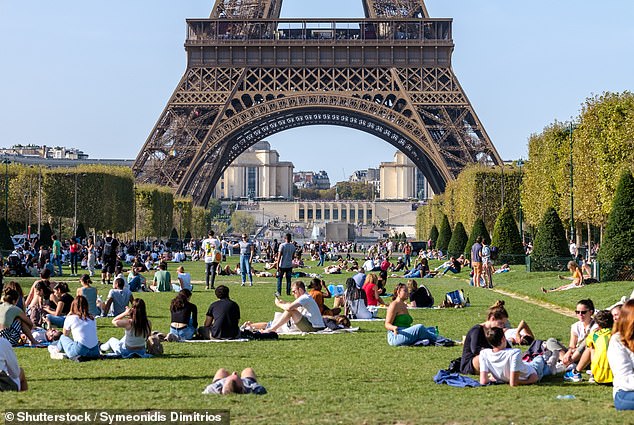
348 378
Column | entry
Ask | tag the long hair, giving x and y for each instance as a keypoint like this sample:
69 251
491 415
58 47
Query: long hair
179 301
396 289
138 316
15 286
625 325
352 292
371 278
79 307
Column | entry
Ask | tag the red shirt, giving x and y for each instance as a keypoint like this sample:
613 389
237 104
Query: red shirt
369 289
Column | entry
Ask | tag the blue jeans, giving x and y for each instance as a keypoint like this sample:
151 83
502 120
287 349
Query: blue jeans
624 400
74 349
412 274
245 268
408 336
449 269
74 258
57 321
57 261
281 272
185 333
408 260
540 366
322 259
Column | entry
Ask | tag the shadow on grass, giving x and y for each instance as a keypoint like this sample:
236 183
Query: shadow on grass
123 378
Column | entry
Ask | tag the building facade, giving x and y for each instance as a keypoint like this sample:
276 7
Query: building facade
257 173
401 179
311 180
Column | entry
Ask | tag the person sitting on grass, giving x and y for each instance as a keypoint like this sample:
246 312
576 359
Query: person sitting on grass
476 341
13 320
621 358
316 287
577 279
83 328
90 293
184 317
41 299
504 268
225 383
579 331
12 377
505 364
136 327
355 301
398 321
420 270
453 266
419 296
45 278
304 311
62 300
371 289
136 281
162 281
223 317
118 299
595 353
184 279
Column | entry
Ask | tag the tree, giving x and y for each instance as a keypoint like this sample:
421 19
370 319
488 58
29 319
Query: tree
433 235
444 235
458 240
550 247
506 237
242 222
617 250
479 229
188 236
6 243
44 238
81 231
215 207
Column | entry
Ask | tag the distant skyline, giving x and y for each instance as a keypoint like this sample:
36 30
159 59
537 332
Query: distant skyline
97 75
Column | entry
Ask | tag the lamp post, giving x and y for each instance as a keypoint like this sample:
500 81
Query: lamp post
6 189
520 162
75 216
134 206
39 207
572 202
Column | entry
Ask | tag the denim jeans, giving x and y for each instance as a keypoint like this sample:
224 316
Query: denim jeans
449 269
540 366
624 400
74 258
210 271
408 336
185 333
412 274
322 259
57 321
57 261
281 272
74 349
245 268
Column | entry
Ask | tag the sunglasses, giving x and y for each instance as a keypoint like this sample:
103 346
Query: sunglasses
581 311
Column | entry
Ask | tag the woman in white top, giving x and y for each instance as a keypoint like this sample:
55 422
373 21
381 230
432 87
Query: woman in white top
83 328
621 358
14 379
137 328
579 331
184 279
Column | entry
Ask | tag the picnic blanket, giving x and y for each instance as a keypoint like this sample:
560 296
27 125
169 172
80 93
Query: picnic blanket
374 319
322 332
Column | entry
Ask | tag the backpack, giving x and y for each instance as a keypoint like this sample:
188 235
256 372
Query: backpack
494 252
107 246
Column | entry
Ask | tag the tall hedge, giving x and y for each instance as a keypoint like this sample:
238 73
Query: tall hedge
617 251
444 235
550 241
155 211
506 237
478 229
433 235
458 240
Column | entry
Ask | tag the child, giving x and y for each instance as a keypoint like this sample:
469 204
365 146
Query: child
597 352
506 365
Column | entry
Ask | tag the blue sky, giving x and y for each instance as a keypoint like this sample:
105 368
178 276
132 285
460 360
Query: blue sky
96 75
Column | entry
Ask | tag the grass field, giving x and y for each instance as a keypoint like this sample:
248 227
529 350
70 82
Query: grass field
324 379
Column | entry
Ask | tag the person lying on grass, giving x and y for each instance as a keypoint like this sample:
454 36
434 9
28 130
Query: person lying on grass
577 279
398 321
476 341
503 364
136 327
225 383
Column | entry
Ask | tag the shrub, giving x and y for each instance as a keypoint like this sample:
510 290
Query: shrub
81 231
617 251
550 245
5 236
444 235
479 229
458 240
45 236
506 237
433 235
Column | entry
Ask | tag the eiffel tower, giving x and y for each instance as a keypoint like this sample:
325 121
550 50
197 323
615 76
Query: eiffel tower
251 74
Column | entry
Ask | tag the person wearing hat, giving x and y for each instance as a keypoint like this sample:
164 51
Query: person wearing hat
90 293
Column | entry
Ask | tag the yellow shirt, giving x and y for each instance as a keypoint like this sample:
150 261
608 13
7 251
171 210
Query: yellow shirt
599 340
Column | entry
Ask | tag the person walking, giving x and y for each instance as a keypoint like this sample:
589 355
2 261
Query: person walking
108 257
246 257
284 264
212 258
57 254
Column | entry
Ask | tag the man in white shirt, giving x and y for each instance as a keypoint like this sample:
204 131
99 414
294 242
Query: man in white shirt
506 365
211 247
304 311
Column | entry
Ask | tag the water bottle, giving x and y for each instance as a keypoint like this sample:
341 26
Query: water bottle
566 397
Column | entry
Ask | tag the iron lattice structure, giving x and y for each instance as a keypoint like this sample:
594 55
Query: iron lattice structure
251 74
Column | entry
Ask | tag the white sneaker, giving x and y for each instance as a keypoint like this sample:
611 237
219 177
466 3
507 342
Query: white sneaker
53 349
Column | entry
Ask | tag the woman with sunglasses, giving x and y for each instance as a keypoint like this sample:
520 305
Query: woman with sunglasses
579 331
621 358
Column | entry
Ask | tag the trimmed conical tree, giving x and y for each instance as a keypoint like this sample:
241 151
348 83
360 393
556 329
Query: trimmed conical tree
45 236
6 243
478 229
506 237
444 235
617 251
433 235
81 231
550 249
458 240
188 236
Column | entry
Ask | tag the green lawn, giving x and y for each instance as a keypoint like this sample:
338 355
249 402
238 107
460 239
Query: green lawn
348 378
